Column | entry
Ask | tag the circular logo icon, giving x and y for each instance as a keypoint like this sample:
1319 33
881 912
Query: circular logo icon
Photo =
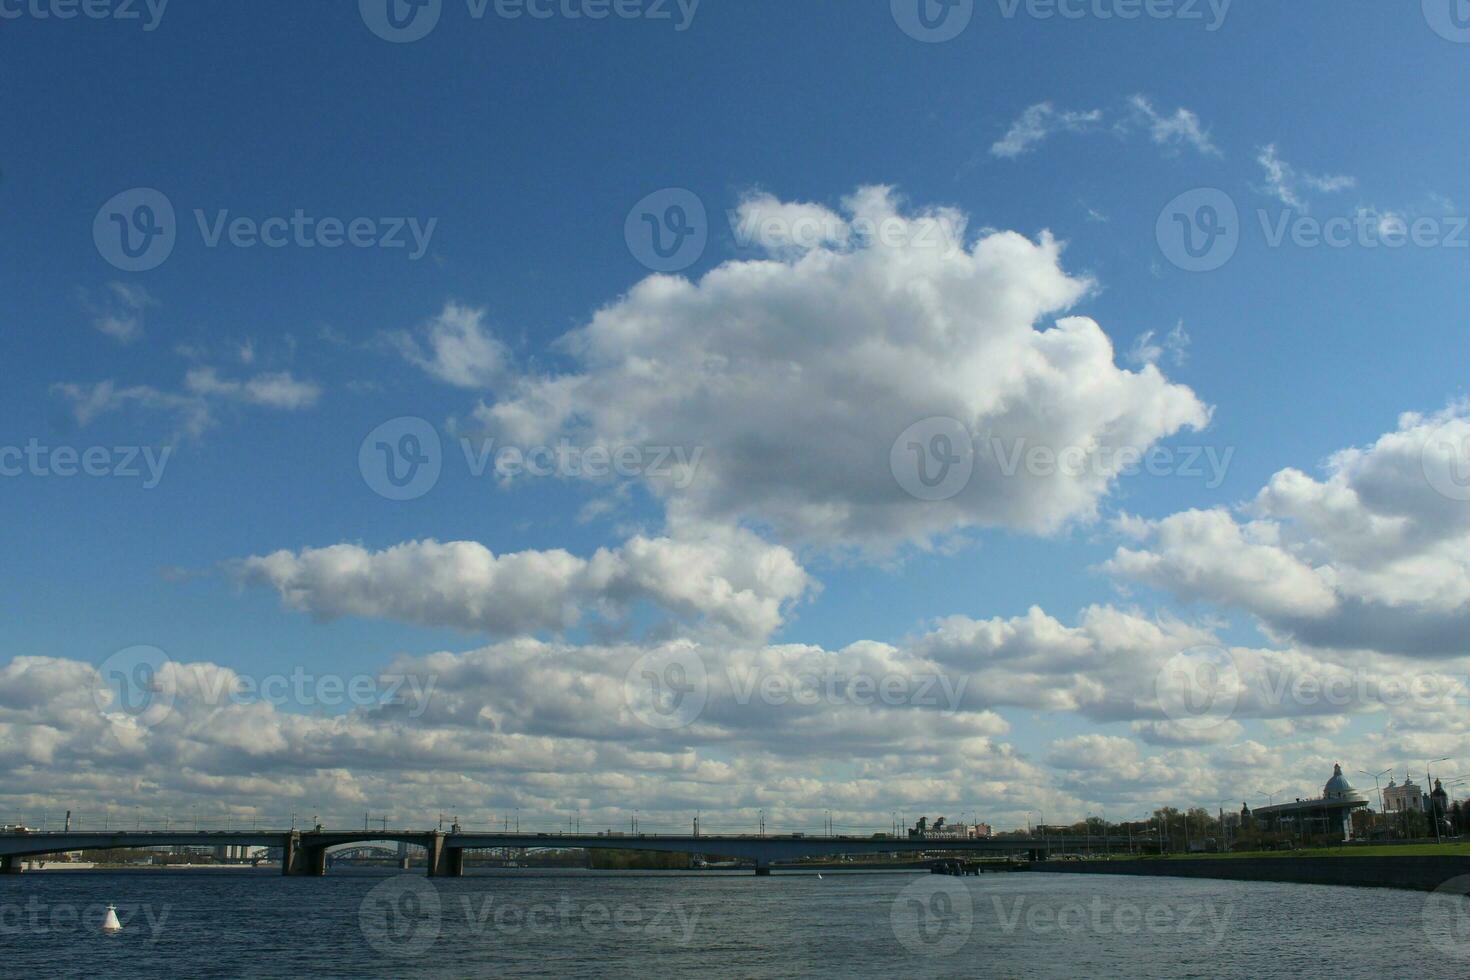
401 459
934 459
401 917
1199 231
135 682
401 21
933 21
1199 688
667 689
934 916
668 230
135 231
1446 917
1446 460
1450 19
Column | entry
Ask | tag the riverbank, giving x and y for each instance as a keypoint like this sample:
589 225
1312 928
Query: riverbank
48 867
1402 871
1428 849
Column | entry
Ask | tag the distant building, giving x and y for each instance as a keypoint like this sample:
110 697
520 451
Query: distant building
1440 801
1331 813
1404 798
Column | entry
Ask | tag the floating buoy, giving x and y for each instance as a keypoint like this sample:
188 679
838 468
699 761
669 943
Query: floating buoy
109 921
819 877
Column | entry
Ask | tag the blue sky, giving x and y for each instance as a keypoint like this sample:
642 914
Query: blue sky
528 142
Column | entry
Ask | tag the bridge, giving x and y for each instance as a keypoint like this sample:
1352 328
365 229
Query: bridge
305 852
361 852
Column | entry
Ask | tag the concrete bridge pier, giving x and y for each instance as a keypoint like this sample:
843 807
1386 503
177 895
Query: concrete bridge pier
290 856
299 859
444 862
10 864
762 869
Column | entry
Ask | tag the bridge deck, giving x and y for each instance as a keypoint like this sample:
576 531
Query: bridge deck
306 850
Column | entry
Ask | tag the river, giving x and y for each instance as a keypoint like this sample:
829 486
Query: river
590 924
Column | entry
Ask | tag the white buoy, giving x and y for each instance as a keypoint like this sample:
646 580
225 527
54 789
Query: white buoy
819 877
109 921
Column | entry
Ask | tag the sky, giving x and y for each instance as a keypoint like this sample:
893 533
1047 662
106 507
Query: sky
1006 410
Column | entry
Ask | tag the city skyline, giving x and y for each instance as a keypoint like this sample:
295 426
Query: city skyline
928 436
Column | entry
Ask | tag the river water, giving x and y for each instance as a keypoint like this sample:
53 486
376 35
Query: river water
589 924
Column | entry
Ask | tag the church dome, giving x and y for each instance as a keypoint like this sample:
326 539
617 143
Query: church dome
1338 788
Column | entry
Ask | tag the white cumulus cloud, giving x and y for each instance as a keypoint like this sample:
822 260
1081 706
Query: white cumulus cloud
729 577
1374 555
797 373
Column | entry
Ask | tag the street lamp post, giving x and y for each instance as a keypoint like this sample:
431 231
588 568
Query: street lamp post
1271 801
1378 789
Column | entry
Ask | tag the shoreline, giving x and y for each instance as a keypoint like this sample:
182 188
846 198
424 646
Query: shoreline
1406 873
74 867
